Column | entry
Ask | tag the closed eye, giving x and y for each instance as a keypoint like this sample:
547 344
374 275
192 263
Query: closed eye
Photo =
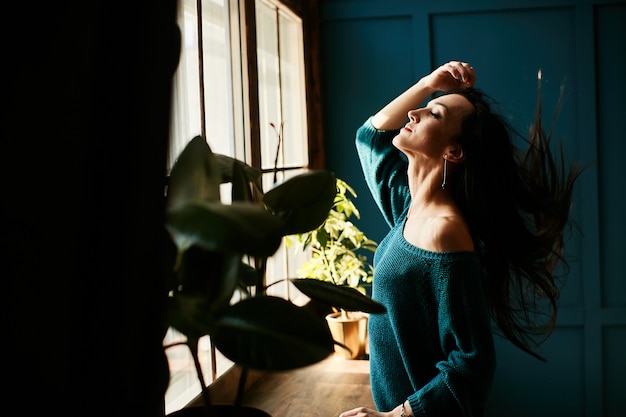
435 115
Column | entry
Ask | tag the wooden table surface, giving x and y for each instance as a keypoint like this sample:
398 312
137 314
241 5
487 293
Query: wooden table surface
324 389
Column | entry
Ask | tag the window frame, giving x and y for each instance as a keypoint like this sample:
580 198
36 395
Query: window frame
245 37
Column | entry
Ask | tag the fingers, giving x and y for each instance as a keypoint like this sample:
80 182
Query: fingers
462 72
450 76
358 412
351 413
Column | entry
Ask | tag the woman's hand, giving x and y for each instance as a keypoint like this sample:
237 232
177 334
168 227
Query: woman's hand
451 76
365 412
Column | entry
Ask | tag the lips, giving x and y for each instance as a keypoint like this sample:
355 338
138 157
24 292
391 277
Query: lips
407 128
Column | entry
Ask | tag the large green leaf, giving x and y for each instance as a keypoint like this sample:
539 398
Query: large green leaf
249 276
304 200
270 333
206 283
240 175
346 298
245 228
191 315
194 176
214 275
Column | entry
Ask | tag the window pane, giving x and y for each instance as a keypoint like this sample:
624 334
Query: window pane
269 81
293 91
186 120
281 86
217 81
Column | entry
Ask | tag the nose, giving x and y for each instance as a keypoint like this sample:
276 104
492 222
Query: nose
413 115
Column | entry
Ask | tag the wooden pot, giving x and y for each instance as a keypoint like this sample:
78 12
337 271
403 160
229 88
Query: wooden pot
349 329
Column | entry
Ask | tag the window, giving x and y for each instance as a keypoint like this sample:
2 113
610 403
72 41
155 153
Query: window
242 79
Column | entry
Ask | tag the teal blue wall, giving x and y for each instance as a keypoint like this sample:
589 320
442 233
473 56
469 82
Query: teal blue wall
373 49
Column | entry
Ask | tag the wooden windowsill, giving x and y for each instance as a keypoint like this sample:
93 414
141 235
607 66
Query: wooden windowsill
324 389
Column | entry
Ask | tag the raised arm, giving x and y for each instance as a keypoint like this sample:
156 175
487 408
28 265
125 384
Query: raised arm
449 76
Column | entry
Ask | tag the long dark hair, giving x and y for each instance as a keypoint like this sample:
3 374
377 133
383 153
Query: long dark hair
517 207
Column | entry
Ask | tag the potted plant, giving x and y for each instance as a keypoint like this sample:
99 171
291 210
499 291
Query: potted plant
217 258
338 255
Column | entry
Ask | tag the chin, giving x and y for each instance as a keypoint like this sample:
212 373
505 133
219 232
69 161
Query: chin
396 141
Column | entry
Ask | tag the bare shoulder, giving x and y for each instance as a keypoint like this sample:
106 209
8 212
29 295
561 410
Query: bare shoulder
451 234
439 234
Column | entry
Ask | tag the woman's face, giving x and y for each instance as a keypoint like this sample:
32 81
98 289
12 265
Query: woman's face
430 129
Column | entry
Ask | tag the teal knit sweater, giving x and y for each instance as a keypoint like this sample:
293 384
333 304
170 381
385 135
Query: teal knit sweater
434 345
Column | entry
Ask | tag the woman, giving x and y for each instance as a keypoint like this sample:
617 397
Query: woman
476 231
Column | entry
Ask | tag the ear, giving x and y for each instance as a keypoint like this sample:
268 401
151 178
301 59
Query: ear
455 154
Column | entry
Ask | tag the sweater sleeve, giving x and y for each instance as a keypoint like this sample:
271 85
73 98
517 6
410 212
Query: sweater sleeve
463 384
384 170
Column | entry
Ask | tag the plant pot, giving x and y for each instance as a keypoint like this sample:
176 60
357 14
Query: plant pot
349 329
220 410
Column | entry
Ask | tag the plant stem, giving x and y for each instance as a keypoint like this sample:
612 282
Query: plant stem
193 347
279 134
240 389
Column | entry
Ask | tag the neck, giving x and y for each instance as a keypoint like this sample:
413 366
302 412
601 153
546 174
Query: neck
427 196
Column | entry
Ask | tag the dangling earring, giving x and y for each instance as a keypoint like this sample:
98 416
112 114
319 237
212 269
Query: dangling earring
445 173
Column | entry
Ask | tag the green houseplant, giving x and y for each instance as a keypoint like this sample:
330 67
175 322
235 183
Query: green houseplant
338 255
216 266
